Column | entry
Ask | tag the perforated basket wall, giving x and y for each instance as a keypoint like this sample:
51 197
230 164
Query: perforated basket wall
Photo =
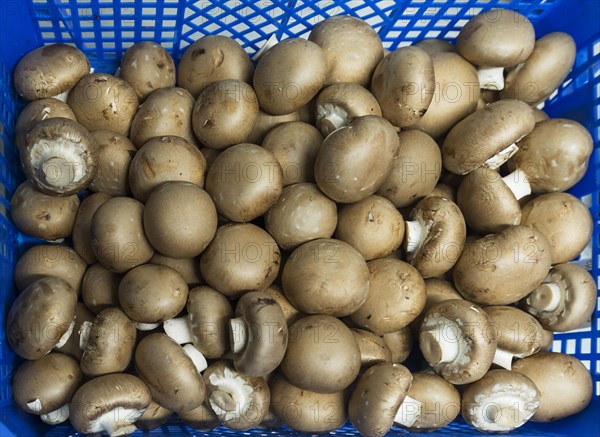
104 29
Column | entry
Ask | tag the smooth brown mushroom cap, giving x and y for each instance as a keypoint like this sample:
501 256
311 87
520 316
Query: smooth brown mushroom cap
37 111
188 268
169 373
373 348
71 347
564 382
154 417
82 228
483 134
52 379
202 418
496 38
400 344
115 153
376 398
290 313
436 45
100 288
516 331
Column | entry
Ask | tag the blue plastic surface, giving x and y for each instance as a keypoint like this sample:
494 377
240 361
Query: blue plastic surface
104 29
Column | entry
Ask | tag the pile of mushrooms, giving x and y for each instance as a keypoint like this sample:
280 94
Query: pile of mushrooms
264 244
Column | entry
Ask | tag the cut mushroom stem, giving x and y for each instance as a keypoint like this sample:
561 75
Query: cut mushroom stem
332 117
518 183
196 357
503 358
116 422
238 334
416 232
409 412
84 334
491 78
63 340
146 326
266 46
57 416
179 330
437 345
496 161
546 297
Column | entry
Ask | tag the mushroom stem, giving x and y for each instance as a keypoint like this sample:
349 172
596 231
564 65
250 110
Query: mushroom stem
65 337
238 334
116 422
196 357
331 117
437 347
179 330
503 358
518 183
146 326
496 161
546 297
266 46
416 232
57 416
491 78
409 412
84 334
35 406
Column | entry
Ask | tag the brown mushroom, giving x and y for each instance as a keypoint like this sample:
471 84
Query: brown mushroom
202 418
373 348
82 228
188 268
436 45
115 153
37 111
400 344
154 417
290 313
71 346
100 288
266 122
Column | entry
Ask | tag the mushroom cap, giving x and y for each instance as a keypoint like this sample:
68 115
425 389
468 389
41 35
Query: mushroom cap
50 260
496 38
564 220
118 238
267 334
104 395
50 70
147 66
437 290
36 111
355 160
373 226
516 331
40 215
312 283
295 145
289 75
403 84
548 66
469 326
345 101
115 153
165 159
396 297
502 268
290 313
155 416
104 102
352 49
244 181
209 313
59 156
240 401
188 268
267 122
565 384
445 240
373 348
456 95
301 214
436 45
487 203
500 401
241 258
444 190
152 293
322 355
213 58
169 373
485 133
554 155
51 380
165 112
71 347
540 115
110 345
440 401
180 219
400 344
40 316
376 398
225 113
100 288
82 228
578 299
306 411
202 418
416 171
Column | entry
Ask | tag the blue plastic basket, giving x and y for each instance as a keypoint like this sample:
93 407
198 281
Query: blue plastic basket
104 29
